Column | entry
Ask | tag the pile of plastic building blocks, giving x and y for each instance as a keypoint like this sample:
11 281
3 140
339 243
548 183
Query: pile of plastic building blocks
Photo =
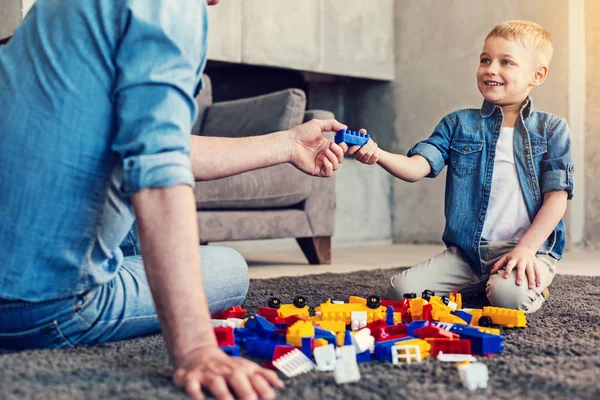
338 335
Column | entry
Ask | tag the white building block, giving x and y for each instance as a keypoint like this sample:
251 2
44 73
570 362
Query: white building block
473 376
325 357
358 320
293 363
346 367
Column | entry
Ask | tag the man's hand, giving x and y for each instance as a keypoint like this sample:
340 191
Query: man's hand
526 263
311 152
210 368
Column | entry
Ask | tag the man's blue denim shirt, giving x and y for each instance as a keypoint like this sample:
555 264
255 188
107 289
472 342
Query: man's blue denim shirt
97 100
466 141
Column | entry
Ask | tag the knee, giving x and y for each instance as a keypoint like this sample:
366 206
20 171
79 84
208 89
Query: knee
505 293
236 269
399 285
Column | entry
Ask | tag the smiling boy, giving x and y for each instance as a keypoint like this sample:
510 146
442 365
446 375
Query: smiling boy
510 174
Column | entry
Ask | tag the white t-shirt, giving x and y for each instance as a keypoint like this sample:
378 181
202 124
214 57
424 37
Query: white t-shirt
507 218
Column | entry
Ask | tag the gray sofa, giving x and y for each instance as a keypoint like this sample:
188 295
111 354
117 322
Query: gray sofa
268 203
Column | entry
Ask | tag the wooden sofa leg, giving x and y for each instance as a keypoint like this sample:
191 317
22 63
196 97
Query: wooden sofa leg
317 250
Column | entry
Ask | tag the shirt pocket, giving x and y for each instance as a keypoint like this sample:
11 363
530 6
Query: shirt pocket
465 156
538 148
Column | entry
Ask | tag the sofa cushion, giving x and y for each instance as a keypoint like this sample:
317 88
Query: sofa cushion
204 101
273 187
256 115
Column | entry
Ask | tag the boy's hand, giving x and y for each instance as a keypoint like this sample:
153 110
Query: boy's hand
367 154
210 368
526 263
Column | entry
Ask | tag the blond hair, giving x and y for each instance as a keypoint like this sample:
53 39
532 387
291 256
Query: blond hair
528 34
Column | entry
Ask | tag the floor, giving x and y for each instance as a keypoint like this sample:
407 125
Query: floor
291 262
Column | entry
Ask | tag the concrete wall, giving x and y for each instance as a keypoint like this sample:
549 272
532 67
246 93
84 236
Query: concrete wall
10 16
340 37
437 48
591 173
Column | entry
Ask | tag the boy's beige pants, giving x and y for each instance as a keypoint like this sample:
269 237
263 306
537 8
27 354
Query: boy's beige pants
448 270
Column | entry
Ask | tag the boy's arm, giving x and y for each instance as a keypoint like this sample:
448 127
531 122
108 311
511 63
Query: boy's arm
409 169
523 255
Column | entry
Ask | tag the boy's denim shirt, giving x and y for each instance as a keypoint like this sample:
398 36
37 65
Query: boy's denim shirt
465 140
97 100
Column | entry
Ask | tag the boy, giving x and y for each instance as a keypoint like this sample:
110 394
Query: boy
509 176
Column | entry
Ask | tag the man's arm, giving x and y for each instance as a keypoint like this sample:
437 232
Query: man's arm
169 241
304 146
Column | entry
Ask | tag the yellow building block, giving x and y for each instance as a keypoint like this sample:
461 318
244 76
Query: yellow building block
416 308
287 310
343 312
333 326
298 331
423 346
321 342
506 317
456 299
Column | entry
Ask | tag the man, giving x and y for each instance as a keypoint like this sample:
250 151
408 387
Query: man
98 102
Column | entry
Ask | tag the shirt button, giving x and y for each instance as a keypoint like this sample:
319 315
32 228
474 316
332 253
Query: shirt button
131 163
526 151
491 158
570 168
486 188
481 218
466 148
474 250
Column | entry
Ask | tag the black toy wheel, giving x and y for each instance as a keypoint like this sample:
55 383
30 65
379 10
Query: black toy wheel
373 302
274 302
300 301
485 321
410 295
427 294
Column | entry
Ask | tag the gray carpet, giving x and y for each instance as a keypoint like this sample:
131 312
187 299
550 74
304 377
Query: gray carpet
557 357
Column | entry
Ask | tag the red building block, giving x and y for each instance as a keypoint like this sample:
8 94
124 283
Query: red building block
224 335
431 331
231 312
449 346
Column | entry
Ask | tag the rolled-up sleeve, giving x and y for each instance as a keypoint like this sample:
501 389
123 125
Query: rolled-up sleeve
158 64
557 168
435 148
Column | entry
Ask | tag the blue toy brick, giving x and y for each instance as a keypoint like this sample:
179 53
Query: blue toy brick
352 138
481 342
240 334
365 356
413 326
233 351
389 316
262 348
325 334
465 316
259 325
348 338
307 347
383 350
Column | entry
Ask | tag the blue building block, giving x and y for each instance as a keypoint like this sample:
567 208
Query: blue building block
352 138
307 347
465 316
233 351
383 350
413 326
348 338
481 342
260 326
262 348
389 316
365 356
325 334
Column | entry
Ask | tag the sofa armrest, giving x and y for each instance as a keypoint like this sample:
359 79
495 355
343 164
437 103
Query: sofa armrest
253 116
320 205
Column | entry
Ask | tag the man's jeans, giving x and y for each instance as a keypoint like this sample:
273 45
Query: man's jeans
121 309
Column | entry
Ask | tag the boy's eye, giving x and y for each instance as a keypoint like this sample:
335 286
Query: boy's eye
484 61
507 62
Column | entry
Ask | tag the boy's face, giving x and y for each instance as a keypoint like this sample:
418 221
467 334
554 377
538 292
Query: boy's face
507 72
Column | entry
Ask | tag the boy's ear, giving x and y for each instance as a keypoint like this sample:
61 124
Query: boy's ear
539 75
